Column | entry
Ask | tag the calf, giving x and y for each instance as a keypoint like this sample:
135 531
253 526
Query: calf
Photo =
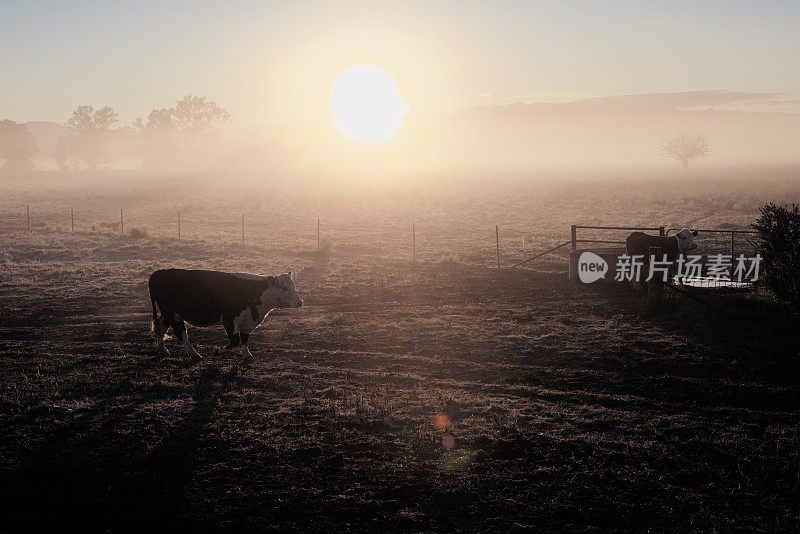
237 300
639 243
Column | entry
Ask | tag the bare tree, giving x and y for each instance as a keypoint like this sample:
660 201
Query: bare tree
92 130
685 148
17 147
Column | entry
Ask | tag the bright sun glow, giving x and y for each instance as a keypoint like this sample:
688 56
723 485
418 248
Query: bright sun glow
366 104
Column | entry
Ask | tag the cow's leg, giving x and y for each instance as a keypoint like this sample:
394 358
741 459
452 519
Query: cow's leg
159 330
246 354
180 330
233 338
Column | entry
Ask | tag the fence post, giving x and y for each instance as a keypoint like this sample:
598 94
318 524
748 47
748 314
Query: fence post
28 215
574 237
497 241
319 243
661 231
72 217
413 243
121 224
732 234
654 285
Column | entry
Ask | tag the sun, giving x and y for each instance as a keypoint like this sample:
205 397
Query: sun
365 104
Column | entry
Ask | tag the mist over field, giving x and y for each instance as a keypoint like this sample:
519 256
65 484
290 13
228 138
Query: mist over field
593 134
359 266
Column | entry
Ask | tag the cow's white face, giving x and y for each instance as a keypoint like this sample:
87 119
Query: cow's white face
285 292
686 240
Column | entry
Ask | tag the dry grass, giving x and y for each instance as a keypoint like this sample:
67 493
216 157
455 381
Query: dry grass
447 397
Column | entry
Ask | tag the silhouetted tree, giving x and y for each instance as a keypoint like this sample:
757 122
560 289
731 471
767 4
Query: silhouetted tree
685 148
160 120
89 143
174 134
194 115
158 139
17 147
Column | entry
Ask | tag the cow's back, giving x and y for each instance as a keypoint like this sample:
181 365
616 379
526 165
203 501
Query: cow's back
188 293
204 297
639 243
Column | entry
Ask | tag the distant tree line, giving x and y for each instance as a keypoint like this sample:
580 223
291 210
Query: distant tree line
88 145
171 137
176 134
179 137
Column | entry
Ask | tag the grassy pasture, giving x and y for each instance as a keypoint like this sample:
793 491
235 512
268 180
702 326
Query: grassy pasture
449 396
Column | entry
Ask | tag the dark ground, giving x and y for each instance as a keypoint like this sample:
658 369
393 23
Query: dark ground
451 398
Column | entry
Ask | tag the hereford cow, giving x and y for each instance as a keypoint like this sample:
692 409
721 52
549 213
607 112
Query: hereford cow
237 300
639 243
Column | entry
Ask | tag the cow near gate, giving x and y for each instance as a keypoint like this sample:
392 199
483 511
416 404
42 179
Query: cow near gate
239 301
639 244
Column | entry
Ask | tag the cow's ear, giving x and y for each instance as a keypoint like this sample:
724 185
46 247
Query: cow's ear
291 275
695 233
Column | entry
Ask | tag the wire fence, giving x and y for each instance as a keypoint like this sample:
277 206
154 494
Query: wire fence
410 239
414 240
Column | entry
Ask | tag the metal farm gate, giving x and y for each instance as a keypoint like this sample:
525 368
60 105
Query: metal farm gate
713 244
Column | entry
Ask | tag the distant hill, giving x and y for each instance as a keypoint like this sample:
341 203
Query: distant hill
609 131
623 131
714 99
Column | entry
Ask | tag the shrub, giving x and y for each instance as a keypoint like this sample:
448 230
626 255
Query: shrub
779 229
138 233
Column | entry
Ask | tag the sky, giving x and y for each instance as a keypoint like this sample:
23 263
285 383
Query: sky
274 62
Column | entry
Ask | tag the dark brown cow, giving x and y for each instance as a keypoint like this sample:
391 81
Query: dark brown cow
639 243
239 301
